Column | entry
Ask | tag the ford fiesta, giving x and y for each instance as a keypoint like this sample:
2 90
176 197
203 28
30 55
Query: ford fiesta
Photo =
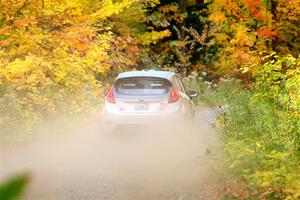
147 97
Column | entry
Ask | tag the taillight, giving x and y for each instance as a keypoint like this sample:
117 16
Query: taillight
174 96
110 97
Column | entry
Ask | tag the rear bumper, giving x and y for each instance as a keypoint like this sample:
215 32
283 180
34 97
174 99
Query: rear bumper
112 120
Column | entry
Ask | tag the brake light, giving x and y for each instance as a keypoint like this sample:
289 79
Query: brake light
110 97
174 96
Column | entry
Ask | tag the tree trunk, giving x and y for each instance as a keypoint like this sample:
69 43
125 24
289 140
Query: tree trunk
182 4
273 10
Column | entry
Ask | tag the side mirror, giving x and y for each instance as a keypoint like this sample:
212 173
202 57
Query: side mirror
105 91
193 93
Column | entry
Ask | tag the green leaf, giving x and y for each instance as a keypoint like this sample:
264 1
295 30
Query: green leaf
1 22
14 187
3 37
288 62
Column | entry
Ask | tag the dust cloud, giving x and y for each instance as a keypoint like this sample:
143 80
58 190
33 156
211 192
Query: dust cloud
131 163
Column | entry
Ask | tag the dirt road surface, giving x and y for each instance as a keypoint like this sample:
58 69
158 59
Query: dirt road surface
89 164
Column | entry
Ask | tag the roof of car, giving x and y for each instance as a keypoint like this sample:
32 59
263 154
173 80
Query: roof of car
152 73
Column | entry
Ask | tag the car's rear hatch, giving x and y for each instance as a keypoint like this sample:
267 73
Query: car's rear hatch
142 94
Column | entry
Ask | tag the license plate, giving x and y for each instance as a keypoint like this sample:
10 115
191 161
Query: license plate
141 107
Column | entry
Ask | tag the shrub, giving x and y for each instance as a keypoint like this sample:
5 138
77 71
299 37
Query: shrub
261 131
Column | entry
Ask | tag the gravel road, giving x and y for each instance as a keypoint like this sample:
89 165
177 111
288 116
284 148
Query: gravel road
88 164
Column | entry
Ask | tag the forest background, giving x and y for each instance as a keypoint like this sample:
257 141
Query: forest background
56 57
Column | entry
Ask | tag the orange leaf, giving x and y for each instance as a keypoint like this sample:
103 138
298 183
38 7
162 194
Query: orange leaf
4 43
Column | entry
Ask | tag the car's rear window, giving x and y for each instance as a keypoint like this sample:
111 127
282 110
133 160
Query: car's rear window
142 86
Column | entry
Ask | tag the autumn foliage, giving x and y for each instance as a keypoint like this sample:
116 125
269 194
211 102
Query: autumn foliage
53 55
246 28
57 55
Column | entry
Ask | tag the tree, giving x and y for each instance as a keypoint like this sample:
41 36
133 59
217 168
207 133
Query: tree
52 54
188 44
245 28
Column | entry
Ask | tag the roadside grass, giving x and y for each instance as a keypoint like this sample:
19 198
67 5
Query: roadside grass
211 94
259 131
260 148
